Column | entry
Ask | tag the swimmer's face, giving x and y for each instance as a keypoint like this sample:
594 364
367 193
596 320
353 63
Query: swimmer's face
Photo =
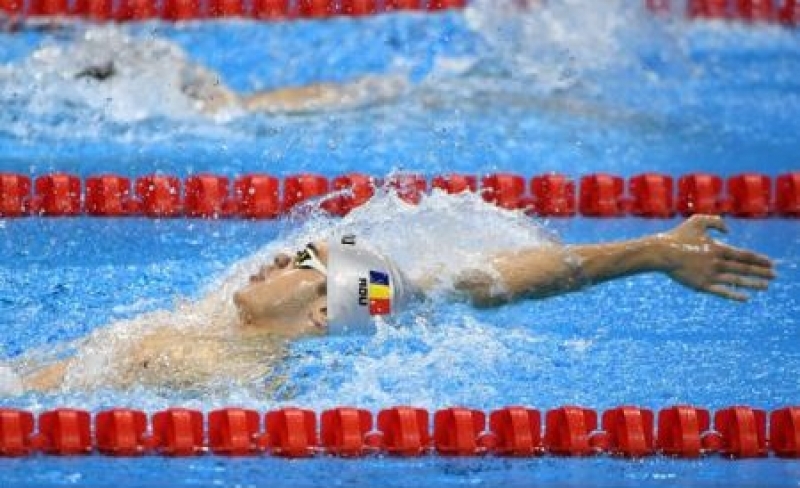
286 299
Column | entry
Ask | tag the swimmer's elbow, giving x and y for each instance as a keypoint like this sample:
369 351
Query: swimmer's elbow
482 290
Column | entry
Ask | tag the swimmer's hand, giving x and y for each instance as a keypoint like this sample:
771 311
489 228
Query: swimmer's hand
691 257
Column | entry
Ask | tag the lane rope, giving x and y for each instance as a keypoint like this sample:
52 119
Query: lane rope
786 12
684 431
263 196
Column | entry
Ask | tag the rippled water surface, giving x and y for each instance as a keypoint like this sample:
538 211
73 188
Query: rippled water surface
572 88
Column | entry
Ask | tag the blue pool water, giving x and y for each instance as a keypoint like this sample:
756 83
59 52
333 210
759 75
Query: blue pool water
571 88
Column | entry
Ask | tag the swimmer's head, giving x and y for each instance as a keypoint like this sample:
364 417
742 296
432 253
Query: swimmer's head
363 286
337 287
287 297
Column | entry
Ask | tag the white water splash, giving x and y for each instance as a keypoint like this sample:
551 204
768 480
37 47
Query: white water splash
443 232
561 43
147 83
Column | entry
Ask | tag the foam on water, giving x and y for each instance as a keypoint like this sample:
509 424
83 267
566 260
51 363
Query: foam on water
558 45
148 85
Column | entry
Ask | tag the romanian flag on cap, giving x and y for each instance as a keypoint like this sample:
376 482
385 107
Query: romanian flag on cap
380 294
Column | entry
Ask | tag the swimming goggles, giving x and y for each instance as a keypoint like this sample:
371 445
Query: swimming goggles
308 259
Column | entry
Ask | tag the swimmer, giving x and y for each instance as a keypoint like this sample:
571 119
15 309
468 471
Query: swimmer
106 63
212 96
343 286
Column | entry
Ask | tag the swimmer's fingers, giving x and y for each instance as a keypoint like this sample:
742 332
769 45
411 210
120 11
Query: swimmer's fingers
744 256
730 279
744 269
725 292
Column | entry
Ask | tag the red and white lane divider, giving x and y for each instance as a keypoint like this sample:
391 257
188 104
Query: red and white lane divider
783 11
181 10
262 196
680 431
786 12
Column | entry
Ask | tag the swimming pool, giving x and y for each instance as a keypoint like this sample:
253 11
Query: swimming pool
629 94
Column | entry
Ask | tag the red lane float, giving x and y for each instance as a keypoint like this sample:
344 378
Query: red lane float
390 5
359 8
700 193
630 431
455 183
93 9
680 430
784 432
790 13
300 188
505 190
343 431
180 10
292 432
317 8
787 195
652 195
349 192
108 195
48 7
271 9
601 195
120 432
65 432
743 431
233 431
57 194
136 10
518 431
750 195
12 7
405 431
408 187
567 431
258 196
446 4
16 429
160 195
207 197
456 431
708 9
15 195
178 432
553 196
226 8
755 10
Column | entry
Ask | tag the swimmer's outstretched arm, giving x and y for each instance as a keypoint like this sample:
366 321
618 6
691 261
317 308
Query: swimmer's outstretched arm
686 254
320 96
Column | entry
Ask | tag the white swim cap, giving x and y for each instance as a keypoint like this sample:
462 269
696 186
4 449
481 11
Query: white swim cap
362 285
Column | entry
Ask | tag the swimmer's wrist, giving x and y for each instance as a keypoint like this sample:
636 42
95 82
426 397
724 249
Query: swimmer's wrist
661 253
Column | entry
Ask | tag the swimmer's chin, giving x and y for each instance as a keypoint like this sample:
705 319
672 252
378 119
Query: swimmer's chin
312 329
